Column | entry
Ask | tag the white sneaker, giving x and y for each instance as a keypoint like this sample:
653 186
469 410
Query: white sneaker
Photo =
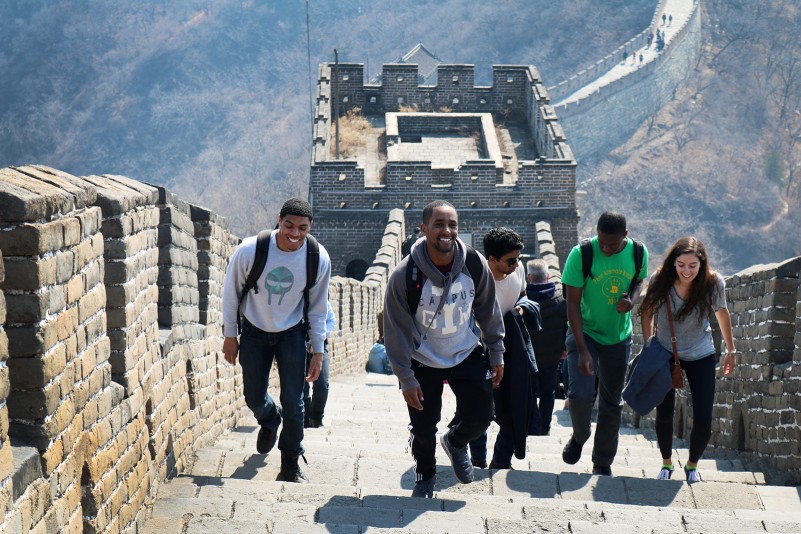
665 473
692 475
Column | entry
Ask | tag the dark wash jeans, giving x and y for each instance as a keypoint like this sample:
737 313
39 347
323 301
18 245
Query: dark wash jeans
315 396
473 391
544 396
701 379
257 350
609 365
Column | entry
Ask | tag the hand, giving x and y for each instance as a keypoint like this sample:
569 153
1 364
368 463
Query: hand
624 305
315 365
497 375
585 363
729 363
414 398
230 349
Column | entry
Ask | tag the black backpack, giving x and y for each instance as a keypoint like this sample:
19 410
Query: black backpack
586 261
415 278
262 249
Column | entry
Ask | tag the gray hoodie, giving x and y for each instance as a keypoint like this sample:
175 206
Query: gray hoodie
443 331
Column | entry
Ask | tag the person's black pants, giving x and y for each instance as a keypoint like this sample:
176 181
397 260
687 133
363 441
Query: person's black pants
701 379
471 384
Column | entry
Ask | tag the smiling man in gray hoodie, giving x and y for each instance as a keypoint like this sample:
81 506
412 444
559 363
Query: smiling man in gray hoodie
437 338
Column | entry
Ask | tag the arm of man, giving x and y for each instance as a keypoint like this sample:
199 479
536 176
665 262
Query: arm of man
399 336
573 297
318 313
235 275
489 319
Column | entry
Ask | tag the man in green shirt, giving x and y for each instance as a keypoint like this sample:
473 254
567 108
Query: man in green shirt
599 336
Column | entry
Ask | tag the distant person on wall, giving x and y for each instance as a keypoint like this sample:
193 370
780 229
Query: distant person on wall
549 342
278 315
598 339
314 401
694 291
436 300
664 18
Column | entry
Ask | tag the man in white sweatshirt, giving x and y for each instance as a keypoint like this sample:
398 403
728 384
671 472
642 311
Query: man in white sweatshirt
273 328
431 332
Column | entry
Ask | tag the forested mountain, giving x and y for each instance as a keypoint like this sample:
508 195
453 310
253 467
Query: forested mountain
212 99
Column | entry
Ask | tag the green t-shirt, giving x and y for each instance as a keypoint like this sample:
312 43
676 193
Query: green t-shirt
612 276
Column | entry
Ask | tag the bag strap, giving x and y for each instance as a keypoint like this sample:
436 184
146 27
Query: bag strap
672 332
312 265
251 282
415 278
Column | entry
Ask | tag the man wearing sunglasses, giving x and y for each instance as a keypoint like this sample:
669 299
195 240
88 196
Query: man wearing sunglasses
502 247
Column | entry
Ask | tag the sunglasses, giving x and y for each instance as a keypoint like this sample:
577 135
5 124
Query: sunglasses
511 262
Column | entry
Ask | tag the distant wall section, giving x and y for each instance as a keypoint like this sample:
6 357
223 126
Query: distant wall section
605 119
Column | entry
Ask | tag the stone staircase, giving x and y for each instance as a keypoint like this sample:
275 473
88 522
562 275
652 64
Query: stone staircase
362 475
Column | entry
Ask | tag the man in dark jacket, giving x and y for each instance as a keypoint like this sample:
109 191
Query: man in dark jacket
549 342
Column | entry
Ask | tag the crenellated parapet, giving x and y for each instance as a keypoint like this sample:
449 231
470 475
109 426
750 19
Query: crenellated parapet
496 152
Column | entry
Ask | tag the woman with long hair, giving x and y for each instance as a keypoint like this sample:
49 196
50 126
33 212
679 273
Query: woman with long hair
694 291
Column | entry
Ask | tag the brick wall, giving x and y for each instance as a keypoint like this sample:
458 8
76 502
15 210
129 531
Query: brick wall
111 369
114 381
349 214
604 119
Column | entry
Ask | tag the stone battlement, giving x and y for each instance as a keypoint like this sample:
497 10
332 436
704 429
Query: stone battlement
111 367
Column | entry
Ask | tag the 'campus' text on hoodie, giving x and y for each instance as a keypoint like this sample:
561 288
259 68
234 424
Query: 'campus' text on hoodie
445 328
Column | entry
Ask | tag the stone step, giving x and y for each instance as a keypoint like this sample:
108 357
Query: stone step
362 475
247 504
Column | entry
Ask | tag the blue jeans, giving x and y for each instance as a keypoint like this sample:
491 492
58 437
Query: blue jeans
609 366
257 350
316 396
545 395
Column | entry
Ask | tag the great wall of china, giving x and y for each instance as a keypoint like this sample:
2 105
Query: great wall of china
111 371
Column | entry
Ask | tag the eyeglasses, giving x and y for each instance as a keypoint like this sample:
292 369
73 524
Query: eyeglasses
511 262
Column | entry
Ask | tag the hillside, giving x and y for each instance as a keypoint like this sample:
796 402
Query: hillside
721 160
213 101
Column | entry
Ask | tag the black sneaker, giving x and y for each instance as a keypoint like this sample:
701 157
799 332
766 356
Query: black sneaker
268 436
290 470
571 454
603 470
481 464
460 460
266 440
425 488
493 465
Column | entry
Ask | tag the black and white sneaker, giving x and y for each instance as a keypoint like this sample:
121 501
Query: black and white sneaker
425 488
460 460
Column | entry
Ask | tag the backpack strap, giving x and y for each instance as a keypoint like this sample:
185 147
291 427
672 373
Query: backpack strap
251 282
586 258
312 266
260 261
414 285
587 254
415 277
639 253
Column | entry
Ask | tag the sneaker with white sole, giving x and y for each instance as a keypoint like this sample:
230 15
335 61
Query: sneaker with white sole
460 460
665 473
692 475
